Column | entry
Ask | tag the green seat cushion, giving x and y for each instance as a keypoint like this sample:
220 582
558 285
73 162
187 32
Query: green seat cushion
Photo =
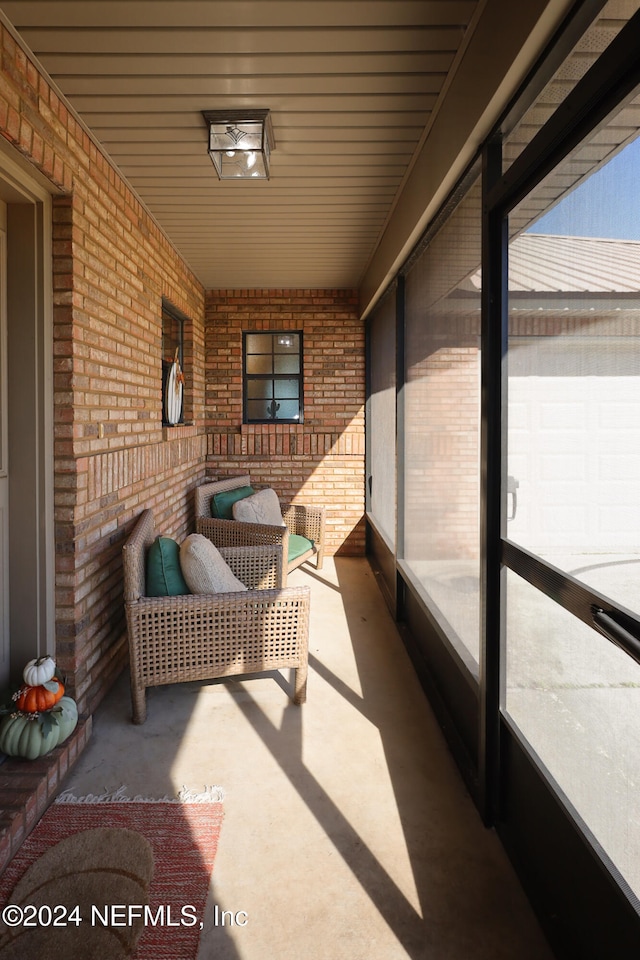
222 503
298 545
164 576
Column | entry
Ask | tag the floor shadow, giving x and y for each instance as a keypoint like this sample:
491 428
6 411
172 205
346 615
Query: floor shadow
364 865
470 902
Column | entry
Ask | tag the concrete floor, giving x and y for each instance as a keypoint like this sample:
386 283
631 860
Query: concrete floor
348 834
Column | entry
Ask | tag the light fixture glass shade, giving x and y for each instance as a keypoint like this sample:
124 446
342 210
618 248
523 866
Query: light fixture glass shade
240 144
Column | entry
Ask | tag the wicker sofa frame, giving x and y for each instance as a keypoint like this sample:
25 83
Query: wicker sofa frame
307 521
194 637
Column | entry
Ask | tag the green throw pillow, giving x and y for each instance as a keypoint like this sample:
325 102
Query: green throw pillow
164 576
222 503
297 546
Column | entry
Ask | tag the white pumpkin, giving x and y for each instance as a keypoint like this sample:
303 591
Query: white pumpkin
39 671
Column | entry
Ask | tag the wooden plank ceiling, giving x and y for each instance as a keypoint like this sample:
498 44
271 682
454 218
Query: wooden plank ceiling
351 87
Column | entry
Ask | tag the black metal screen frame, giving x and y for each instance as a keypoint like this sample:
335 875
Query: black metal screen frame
517 794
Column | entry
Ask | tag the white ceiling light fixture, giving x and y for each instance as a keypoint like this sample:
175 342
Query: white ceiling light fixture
240 143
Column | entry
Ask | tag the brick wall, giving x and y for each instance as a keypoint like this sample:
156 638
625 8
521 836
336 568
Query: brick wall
322 460
111 268
442 480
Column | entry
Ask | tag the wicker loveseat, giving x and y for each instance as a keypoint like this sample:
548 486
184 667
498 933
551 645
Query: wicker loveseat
198 637
304 528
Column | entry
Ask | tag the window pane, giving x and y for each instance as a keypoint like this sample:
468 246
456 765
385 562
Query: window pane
442 409
259 389
574 380
382 419
286 389
172 375
172 335
289 410
259 364
258 409
576 698
286 343
285 364
259 343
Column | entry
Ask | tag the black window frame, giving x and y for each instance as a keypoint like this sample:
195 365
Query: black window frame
252 377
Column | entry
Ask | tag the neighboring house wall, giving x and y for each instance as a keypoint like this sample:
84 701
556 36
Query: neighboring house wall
320 461
111 267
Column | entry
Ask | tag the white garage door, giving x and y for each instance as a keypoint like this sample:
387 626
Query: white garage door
574 451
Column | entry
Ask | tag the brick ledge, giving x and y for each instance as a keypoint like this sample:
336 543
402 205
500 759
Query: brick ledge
27 787
180 431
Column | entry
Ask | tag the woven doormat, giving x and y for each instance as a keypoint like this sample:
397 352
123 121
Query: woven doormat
183 837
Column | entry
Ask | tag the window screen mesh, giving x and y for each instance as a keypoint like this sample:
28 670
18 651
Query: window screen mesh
442 411
382 417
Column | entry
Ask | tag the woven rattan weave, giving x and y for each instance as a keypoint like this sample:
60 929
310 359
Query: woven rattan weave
192 637
300 519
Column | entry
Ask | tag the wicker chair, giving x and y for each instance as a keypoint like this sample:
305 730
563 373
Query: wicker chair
192 637
308 522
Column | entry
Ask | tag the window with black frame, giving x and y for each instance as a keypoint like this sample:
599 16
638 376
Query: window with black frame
172 365
272 377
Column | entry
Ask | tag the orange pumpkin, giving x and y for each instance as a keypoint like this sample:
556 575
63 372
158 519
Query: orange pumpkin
37 699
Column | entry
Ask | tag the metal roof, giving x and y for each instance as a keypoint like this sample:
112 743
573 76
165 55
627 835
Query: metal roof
555 264
547 265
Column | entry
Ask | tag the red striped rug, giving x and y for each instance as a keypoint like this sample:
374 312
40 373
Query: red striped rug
184 838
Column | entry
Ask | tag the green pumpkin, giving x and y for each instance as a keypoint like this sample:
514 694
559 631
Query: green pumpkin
22 735
66 712
34 735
